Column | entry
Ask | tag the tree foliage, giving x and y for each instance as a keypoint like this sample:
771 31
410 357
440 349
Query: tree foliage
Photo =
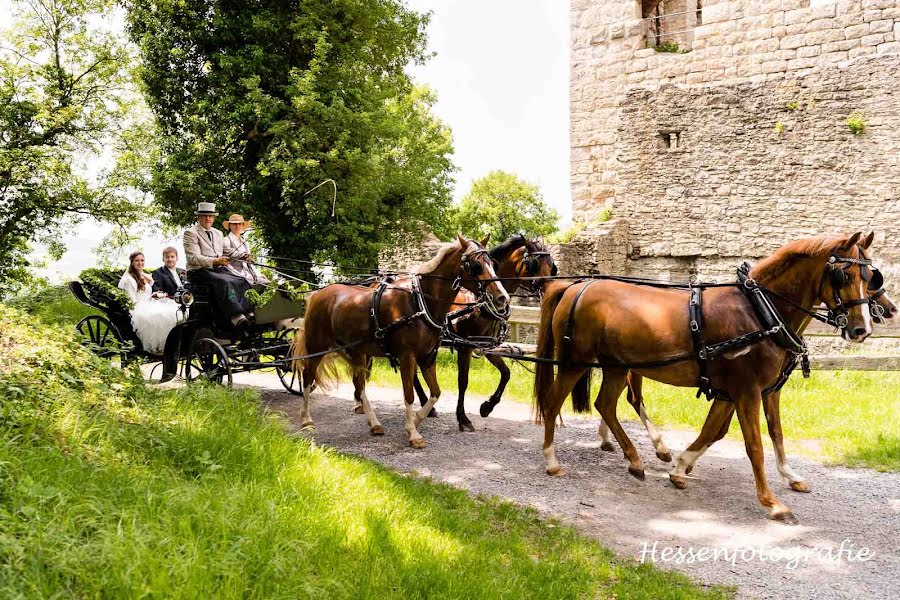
63 99
502 204
257 107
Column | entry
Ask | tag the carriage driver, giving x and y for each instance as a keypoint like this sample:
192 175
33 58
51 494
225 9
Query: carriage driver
204 252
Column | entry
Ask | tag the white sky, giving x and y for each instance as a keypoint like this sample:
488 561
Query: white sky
502 80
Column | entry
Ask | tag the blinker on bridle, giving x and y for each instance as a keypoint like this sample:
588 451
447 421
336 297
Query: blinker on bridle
839 279
532 263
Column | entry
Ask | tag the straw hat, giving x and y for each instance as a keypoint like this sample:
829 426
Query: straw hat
206 208
236 219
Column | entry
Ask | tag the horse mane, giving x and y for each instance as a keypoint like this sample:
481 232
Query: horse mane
431 265
504 249
786 257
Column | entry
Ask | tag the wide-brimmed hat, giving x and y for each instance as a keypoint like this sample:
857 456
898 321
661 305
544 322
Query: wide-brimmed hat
206 208
236 219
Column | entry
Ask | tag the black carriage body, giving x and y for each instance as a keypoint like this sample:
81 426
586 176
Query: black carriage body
207 345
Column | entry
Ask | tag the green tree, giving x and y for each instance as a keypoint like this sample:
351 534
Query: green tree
502 204
257 107
63 99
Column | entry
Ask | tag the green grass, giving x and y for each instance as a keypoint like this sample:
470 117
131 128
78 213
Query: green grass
53 305
109 488
854 416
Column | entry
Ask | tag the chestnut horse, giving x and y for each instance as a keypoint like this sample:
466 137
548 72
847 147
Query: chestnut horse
881 307
404 320
519 262
625 325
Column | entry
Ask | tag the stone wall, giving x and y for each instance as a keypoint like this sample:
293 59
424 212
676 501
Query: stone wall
731 149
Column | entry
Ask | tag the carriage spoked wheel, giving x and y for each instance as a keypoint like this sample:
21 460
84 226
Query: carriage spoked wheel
285 369
100 335
209 361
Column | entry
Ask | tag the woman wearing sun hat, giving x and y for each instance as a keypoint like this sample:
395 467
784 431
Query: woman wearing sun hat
237 250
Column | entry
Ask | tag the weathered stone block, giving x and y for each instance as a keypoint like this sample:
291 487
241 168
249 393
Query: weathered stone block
717 13
807 51
823 37
861 51
840 45
856 31
799 16
872 15
882 26
889 47
872 39
794 41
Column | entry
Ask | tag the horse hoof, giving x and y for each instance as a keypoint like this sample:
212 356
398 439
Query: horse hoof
638 473
786 517
688 470
417 443
466 426
485 409
664 456
678 481
800 486
308 426
555 471
378 430
607 447
358 409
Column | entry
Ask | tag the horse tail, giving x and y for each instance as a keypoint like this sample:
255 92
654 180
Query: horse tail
581 393
544 371
324 368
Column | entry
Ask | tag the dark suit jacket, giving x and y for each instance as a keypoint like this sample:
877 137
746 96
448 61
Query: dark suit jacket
164 282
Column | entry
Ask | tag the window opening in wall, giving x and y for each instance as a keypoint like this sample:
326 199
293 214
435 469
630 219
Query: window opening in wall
669 140
669 24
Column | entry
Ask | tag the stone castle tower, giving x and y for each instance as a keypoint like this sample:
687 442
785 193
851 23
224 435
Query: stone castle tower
719 130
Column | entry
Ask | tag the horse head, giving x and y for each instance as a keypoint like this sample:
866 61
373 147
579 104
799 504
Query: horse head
476 273
880 304
846 286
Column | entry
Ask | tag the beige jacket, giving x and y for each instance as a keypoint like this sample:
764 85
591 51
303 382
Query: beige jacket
198 251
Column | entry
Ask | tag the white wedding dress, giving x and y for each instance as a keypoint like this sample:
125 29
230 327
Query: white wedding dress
152 318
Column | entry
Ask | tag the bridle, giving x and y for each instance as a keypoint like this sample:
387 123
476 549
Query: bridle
837 276
531 261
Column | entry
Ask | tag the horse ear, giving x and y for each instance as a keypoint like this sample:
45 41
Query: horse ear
463 242
486 239
867 241
854 239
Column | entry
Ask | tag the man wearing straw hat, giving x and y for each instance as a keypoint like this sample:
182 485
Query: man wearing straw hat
204 249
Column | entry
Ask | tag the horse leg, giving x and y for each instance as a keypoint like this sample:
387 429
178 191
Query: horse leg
434 389
407 373
771 407
719 414
747 405
359 393
723 431
463 362
358 406
309 379
607 398
559 391
500 364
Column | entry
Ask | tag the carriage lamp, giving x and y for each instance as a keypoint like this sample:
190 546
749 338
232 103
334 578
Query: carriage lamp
184 297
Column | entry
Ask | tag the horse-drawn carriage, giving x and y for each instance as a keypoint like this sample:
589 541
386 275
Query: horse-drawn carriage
201 345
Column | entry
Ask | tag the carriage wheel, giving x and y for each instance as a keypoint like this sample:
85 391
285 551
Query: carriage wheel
100 335
209 361
285 369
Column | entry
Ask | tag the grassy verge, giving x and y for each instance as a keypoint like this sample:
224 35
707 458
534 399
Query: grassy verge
111 489
853 416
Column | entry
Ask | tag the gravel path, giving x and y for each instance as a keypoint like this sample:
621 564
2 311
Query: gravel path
718 510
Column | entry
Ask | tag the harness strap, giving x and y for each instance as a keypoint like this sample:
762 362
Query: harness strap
695 320
565 351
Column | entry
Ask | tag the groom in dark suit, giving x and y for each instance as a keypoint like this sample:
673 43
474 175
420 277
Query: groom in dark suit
168 278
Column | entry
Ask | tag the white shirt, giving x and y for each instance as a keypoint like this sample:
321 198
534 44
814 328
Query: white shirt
175 276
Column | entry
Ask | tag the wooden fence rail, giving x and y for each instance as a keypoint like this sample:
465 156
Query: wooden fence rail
525 319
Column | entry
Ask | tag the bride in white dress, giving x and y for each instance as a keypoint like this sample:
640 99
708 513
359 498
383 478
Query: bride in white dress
152 317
